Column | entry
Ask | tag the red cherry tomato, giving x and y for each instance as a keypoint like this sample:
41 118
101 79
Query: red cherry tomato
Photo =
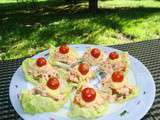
63 49
117 76
53 83
95 52
83 68
88 94
113 55
41 62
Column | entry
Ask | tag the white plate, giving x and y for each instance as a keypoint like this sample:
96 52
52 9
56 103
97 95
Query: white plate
136 108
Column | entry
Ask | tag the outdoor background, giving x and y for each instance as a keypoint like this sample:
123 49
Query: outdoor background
26 28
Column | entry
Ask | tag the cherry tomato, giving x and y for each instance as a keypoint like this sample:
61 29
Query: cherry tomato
88 94
95 52
113 55
41 62
53 83
83 68
117 76
63 49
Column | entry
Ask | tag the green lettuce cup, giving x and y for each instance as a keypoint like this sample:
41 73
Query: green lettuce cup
87 113
80 74
34 104
81 108
122 95
122 63
29 77
56 58
88 57
135 93
43 98
39 75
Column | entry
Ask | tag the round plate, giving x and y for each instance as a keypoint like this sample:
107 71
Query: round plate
134 109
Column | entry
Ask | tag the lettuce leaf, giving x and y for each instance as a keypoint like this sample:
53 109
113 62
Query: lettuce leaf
37 104
36 81
134 94
29 77
87 113
125 58
54 62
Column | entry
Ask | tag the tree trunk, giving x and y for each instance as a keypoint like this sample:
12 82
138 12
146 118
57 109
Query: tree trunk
93 5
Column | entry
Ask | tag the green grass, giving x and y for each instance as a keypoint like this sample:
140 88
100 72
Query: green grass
26 32
14 1
129 3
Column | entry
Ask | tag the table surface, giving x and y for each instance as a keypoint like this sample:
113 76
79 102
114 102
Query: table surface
148 52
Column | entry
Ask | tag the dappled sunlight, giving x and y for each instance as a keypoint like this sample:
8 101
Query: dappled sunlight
26 32
129 3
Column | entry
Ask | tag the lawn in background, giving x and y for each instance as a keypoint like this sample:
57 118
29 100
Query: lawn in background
24 32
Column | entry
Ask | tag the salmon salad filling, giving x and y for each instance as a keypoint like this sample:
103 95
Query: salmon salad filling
88 103
119 61
93 56
117 88
63 54
80 73
122 94
106 67
37 73
47 97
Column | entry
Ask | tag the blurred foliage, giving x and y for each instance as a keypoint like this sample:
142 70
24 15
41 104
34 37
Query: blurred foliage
26 31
